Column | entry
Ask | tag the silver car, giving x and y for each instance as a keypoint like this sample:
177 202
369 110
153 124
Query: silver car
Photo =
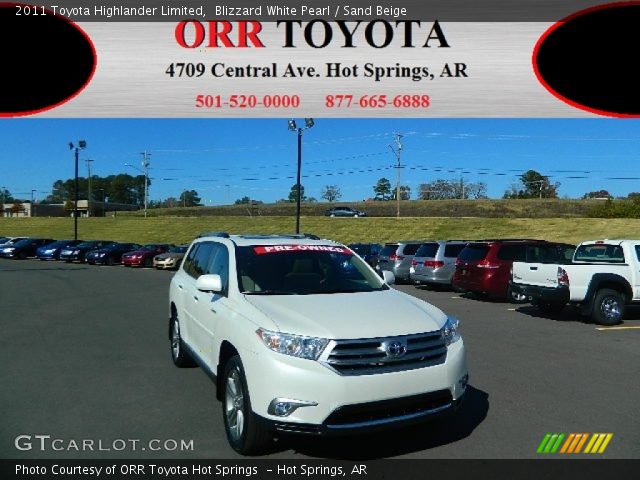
397 258
170 259
435 262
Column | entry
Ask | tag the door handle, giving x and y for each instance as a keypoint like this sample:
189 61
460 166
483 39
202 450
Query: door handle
195 297
533 268
180 287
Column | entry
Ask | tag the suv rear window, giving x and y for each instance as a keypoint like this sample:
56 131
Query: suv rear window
452 251
550 253
427 250
473 253
388 250
599 252
410 249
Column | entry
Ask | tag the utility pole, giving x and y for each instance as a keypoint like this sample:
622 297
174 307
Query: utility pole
145 165
81 146
88 161
397 151
461 188
2 190
33 210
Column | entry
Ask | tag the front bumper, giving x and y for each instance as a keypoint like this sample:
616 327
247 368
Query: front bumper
270 375
165 263
132 262
375 416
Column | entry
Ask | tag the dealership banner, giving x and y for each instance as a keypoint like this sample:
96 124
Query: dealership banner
321 59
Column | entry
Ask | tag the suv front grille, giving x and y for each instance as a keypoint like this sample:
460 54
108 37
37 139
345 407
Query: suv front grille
382 355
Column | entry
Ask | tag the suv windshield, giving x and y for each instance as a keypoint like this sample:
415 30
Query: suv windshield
177 249
303 270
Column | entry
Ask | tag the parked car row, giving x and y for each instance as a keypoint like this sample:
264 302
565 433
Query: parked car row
476 266
100 252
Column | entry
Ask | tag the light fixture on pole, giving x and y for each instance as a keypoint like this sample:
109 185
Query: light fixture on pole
81 146
308 123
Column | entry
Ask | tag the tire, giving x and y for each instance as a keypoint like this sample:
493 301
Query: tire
608 307
22 256
517 298
179 354
109 261
246 434
148 263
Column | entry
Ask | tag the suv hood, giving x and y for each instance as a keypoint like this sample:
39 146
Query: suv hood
349 315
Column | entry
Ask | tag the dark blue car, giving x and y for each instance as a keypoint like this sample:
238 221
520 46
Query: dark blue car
52 250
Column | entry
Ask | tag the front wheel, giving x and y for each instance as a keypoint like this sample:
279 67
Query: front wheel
245 433
179 355
608 307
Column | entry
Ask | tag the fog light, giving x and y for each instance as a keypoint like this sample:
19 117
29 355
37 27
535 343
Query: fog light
283 407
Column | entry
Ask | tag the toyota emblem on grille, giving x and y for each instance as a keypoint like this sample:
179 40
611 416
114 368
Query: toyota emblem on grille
394 348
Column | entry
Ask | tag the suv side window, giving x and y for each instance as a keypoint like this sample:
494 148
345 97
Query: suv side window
512 252
219 265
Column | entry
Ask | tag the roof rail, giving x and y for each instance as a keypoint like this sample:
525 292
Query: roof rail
213 234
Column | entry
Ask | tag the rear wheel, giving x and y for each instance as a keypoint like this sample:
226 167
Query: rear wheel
608 307
245 433
109 261
148 263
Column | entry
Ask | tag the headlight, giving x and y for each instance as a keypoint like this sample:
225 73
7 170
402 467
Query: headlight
451 331
76 252
101 255
9 249
294 345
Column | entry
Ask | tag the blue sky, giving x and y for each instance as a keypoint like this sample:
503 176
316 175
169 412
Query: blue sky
225 159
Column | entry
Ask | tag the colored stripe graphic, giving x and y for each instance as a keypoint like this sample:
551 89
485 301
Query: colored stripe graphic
573 443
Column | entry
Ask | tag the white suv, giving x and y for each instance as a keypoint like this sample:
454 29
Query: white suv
302 336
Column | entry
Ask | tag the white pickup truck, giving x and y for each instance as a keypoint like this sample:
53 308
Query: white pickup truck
602 278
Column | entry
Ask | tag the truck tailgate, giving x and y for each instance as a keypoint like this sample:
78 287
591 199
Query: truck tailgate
538 274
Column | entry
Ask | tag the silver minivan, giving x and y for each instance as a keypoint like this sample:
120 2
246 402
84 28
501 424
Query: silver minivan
397 258
435 262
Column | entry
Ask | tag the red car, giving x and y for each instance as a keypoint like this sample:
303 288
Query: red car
144 256
484 267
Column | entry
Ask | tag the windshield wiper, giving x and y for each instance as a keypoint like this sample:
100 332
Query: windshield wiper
269 292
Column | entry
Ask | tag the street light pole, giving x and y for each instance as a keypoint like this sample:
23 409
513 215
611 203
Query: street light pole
88 160
309 122
81 146
145 164
33 210
2 190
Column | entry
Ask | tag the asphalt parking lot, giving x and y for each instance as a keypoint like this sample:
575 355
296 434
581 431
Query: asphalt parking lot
85 356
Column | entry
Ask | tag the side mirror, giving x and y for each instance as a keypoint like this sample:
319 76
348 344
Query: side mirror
209 283
388 277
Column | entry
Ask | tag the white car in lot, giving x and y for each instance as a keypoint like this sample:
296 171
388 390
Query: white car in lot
302 336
